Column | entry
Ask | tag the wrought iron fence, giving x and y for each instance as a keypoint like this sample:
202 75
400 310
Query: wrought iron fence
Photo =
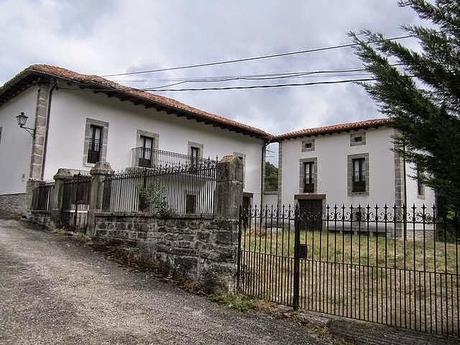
145 157
393 265
176 189
42 197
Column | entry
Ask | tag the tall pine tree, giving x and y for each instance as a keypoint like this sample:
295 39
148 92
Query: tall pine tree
420 92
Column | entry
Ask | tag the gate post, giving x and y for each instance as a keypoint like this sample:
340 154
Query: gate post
229 188
296 277
98 174
227 202
56 202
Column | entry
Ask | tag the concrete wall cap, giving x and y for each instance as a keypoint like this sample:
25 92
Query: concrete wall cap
102 168
64 173
229 159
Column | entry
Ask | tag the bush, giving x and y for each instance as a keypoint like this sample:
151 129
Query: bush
152 199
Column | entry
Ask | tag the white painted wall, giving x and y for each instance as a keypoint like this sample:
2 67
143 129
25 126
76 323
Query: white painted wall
16 143
331 152
412 195
69 111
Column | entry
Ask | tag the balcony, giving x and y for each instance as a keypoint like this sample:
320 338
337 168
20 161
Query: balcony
151 158
359 183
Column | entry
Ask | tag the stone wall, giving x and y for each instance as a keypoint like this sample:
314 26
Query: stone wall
197 249
13 204
42 218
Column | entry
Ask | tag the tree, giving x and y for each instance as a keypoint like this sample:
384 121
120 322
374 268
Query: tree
271 177
420 92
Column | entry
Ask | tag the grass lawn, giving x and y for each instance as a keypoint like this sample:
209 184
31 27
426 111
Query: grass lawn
359 248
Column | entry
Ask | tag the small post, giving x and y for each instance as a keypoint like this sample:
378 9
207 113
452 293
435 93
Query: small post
59 179
296 277
98 174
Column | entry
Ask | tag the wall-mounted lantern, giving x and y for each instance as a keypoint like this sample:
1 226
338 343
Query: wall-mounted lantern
22 120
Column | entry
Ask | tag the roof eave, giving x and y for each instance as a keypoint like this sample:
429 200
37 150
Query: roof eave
29 76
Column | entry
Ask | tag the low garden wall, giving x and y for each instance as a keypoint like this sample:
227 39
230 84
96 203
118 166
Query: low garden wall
14 203
203 250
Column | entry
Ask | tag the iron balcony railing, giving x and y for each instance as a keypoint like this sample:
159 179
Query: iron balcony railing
151 158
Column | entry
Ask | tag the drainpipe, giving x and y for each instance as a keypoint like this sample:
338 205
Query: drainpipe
262 175
405 189
45 144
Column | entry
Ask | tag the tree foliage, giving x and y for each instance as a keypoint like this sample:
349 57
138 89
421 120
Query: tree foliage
271 177
420 92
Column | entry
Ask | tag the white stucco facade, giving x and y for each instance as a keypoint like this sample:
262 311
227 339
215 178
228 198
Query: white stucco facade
70 109
16 143
332 154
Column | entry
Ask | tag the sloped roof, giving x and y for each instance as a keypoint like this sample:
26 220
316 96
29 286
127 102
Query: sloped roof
34 73
341 127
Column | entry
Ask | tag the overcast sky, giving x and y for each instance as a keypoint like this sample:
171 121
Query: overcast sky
104 37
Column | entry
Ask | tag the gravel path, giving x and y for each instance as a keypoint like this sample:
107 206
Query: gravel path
56 291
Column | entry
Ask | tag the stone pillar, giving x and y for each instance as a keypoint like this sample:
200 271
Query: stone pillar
30 187
56 200
228 199
100 171
229 188
38 143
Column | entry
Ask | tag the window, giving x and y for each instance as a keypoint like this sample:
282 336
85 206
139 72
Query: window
190 204
1 135
194 155
308 184
95 144
145 154
357 139
359 175
420 186
308 175
308 145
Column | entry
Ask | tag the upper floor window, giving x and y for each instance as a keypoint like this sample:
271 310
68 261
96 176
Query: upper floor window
195 153
359 175
357 139
308 184
95 144
145 154
308 174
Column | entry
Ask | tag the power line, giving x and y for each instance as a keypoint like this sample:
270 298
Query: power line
260 79
252 58
262 86
250 76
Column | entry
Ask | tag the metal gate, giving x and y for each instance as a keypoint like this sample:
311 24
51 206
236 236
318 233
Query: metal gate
75 203
389 265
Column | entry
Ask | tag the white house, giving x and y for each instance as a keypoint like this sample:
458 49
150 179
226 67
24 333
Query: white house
347 164
76 120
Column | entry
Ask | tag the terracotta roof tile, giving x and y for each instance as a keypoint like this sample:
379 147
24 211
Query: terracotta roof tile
334 128
97 82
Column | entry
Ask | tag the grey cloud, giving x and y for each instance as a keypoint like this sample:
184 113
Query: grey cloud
105 37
